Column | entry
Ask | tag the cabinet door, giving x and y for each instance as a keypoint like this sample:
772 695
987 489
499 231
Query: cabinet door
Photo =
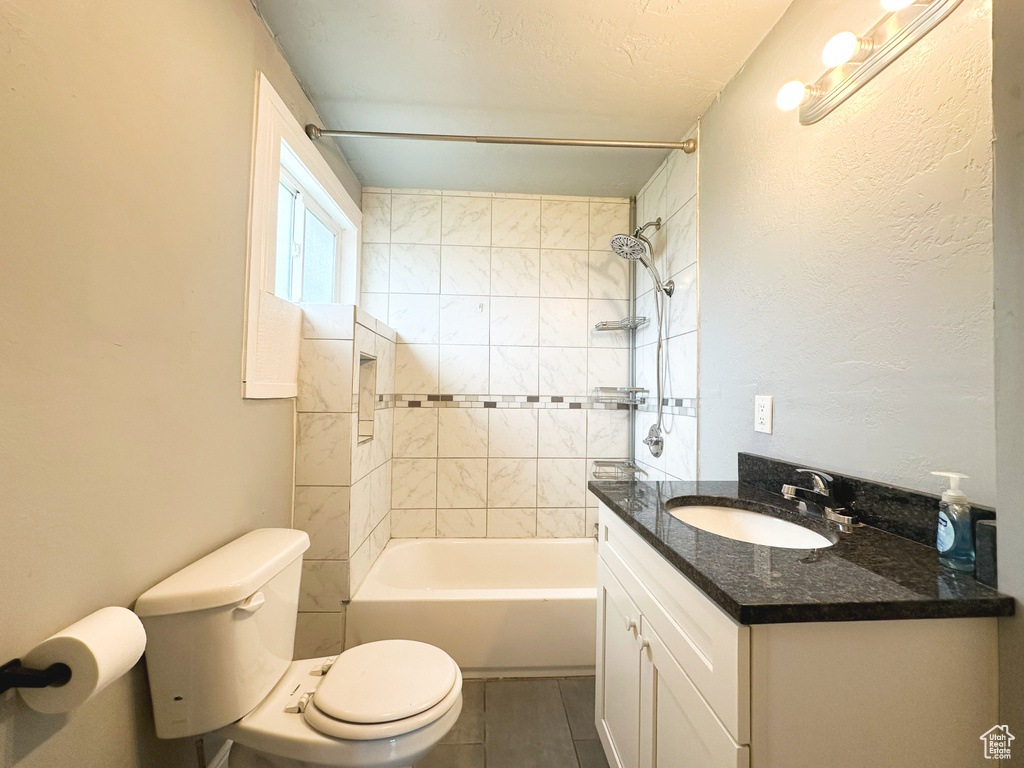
677 727
618 671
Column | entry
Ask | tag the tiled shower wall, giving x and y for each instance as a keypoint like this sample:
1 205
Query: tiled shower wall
494 298
342 483
671 193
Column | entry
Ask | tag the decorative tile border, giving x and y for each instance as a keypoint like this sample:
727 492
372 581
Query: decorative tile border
679 406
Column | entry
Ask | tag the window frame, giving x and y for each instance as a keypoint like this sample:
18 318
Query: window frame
307 202
272 325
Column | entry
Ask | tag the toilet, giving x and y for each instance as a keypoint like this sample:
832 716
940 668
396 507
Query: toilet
220 636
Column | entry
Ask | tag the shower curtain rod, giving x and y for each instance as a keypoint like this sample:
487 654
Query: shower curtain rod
689 146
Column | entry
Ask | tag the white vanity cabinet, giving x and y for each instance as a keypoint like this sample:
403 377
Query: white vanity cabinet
680 684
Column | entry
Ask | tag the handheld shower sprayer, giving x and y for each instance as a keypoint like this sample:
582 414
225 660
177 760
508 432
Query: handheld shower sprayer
638 248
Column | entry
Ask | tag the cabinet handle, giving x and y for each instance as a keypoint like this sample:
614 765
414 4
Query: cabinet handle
644 643
630 624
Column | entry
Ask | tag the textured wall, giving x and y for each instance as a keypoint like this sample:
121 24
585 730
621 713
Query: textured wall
1008 237
494 300
846 267
126 450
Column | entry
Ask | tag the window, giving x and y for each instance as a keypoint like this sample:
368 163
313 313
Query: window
303 246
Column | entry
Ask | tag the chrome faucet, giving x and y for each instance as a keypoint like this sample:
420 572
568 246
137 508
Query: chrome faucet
820 495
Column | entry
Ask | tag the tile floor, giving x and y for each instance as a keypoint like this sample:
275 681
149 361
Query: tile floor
522 724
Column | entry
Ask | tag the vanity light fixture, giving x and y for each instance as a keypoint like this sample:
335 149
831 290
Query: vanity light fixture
854 59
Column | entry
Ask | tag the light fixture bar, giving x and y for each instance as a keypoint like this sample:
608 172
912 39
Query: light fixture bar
689 146
888 40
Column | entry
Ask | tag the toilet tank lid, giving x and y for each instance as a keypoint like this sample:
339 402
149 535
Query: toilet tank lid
227 575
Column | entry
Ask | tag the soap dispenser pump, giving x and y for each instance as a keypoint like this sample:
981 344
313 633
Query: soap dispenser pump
955 536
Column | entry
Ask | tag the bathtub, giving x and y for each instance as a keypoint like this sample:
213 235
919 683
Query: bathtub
499 607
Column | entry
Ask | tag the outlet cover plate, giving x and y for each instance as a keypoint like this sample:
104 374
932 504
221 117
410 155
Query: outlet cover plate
763 413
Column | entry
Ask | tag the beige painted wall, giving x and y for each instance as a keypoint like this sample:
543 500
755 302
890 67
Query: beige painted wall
846 267
126 450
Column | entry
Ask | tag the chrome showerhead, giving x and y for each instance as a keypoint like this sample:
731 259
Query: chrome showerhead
636 248
628 247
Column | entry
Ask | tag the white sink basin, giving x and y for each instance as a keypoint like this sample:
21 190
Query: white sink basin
751 527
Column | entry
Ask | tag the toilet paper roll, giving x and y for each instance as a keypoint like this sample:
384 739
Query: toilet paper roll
99 649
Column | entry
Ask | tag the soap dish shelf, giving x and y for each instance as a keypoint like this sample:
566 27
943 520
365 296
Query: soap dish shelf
626 395
607 469
625 324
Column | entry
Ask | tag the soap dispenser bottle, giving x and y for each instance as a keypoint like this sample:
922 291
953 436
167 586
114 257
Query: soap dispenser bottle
955 536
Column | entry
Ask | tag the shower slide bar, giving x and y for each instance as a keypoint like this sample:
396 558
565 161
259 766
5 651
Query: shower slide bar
689 146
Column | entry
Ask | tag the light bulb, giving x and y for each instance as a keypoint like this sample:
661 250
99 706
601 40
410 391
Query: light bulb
791 95
896 5
839 49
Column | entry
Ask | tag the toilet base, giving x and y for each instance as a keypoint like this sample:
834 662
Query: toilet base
242 756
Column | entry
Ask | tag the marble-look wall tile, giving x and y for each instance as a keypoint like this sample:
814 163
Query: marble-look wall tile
359 566
515 272
462 432
328 321
415 433
680 446
608 434
608 276
464 369
376 262
608 309
325 376
654 198
512 433
606 221
511 523
682 307
465 270
465 319
514 321
564 322
563 371
461 483
375 303
561 483
361 522
607 368
416 317
681 244
413 523
376 218
559 523
462 523
416 219
413 483
514 370
380 537
512 482
681 366
515 223
466 220
323 448
590 528
416 368
681 181
562 434
323 585
564 224
415 269
564 274
323 513
319 634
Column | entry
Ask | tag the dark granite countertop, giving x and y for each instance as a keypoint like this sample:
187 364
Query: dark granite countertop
868 574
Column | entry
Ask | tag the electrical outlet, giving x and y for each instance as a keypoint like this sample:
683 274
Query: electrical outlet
763 413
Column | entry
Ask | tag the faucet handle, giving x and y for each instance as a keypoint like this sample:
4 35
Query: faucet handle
822 480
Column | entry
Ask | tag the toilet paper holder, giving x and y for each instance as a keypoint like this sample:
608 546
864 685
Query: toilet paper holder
14 675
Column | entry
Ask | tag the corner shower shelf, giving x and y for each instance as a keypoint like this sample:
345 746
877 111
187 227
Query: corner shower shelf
605 469
626 324
626 395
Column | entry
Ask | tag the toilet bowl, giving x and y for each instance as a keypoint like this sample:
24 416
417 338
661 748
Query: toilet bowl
380 705
220 636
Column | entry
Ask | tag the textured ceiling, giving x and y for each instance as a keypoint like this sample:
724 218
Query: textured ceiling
607 69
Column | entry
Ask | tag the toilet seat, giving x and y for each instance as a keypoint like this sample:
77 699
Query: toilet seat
271 730
384 689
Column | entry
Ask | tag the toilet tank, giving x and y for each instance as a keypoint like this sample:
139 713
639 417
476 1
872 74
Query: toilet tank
220 632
